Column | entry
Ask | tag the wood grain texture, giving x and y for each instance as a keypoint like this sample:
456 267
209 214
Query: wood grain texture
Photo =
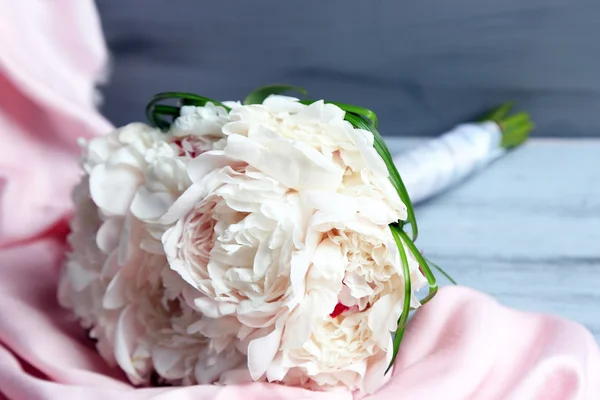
423 66
526 230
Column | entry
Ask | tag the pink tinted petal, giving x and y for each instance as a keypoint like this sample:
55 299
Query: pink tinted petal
80 277
111 266
375 376
183 205
107 238
126 336
165 359
115 296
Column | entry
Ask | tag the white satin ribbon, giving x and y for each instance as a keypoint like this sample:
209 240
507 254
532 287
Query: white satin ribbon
445 161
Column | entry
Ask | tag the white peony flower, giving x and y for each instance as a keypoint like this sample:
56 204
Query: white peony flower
199 129
82 282
243 245
117 279
285 229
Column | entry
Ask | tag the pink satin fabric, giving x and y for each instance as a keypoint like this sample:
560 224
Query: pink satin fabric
51 53
461 346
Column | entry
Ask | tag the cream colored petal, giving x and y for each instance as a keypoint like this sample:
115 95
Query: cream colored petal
113 188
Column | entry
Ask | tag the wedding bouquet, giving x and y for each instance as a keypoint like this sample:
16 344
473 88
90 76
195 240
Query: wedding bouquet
236 242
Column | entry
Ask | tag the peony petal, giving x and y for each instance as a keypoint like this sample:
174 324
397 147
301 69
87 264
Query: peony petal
334 203
209 371
327 271
357 285
113 188
128 250
148 205
283 104
299 265
364 143
277 371
300 323
125 156
294 164
319 111
183 270
261 353
236 376
263 260
183 205
382 318
115 296
79 277
107 238
219 327
111 266
207 162
166 358
209 307
375 376
126 336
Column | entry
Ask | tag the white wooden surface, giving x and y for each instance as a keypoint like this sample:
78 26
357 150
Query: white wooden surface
526 230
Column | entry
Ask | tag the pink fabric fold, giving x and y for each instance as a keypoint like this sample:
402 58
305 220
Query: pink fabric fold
461 346
51 55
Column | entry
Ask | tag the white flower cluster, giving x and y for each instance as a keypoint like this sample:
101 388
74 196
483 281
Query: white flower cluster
243 245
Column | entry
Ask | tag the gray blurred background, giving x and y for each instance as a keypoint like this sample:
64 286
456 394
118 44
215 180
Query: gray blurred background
422 65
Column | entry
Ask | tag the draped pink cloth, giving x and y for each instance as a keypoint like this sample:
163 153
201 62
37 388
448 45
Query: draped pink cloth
463 345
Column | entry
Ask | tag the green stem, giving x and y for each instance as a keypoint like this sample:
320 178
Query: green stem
433 286
441 270
515 128
396 233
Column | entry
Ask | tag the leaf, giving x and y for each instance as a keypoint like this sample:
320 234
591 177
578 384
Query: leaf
396 233
259 95
441 270
161 109
167 110
433 287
